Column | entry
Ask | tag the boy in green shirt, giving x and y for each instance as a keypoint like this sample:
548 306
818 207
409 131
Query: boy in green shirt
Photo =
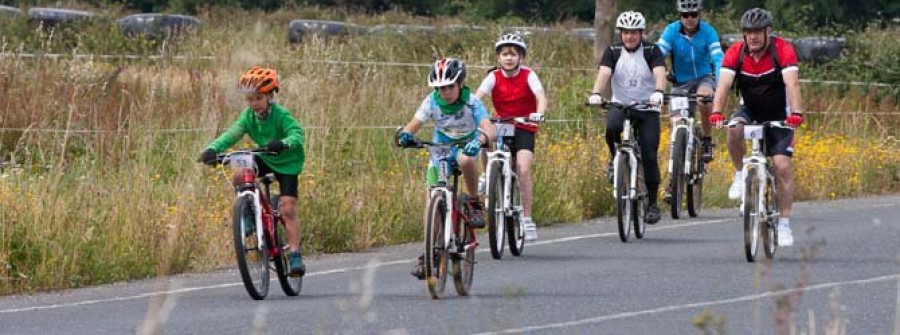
268 123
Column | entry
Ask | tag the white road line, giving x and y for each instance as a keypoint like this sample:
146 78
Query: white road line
322 273
672 308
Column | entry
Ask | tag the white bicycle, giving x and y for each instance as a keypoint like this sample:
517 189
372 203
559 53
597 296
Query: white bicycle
504 198
759 203
686 167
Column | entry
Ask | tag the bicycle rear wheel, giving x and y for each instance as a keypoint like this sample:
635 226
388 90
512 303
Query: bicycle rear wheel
436 257
770 230
694 192
514 229
495 210
639 206
252 258
678 179
290 285
751 214
464 262
624 206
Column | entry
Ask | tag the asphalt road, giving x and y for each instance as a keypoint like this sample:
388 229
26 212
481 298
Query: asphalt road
842 273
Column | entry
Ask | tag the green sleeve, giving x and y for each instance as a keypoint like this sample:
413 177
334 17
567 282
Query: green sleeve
293 131
230 136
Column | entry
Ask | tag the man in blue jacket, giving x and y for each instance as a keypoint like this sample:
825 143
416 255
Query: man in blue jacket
696 58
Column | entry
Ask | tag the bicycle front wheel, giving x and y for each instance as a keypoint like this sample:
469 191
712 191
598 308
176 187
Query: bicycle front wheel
624 205
514 229
751 214
252 257
495 211
678 180
290 285
639 206
436 256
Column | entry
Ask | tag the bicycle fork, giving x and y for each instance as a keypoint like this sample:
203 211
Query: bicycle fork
257 214
632 176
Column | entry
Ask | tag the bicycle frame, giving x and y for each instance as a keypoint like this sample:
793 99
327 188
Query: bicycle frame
266 217
505 159
686 122
626 148
758 162
447 172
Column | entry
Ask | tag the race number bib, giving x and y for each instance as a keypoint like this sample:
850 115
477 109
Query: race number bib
242 161
678 103
753 132
505 129
440 152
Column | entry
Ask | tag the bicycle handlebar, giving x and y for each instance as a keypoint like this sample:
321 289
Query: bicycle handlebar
222 159
517 119
773 124
691 97
420 143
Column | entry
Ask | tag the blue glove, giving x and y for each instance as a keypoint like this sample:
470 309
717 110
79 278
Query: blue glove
406 139
472 148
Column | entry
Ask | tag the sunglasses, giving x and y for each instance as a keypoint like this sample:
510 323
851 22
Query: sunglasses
690 15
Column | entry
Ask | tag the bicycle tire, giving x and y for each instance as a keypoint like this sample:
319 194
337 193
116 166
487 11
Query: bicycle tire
694 199
624 205
640 205
291 285
751 214
678 180
435 250
770 235
464 262
496 217
514 230
252 259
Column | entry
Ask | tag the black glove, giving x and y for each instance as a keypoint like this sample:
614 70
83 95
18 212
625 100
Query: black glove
276 146
208 157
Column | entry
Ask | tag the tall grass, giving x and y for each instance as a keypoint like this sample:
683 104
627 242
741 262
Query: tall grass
125 199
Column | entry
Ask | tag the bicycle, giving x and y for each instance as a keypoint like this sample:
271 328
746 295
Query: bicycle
686 166
628 175
252 208
449 235
759 207
504 198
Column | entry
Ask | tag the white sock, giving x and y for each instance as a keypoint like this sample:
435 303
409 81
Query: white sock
738 175
527 219
784 223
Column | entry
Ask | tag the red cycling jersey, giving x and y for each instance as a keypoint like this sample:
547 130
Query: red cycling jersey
759 81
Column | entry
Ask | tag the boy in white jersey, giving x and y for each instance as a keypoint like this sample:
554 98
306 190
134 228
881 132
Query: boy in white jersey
457 115
516 91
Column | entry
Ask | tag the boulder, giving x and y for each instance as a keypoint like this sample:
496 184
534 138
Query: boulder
10 11
50 17
818 49
297 29
156 25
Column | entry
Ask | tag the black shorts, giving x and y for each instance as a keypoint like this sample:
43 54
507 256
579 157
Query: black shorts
523 140
287 183
779 141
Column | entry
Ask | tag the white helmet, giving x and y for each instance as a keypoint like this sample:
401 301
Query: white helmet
689 6
511 39
447 71
631 21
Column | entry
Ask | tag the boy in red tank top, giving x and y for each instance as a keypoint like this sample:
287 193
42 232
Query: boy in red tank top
516 91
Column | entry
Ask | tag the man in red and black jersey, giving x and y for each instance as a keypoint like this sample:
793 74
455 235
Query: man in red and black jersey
768 79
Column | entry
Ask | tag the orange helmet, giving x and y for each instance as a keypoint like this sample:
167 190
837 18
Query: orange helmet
259 80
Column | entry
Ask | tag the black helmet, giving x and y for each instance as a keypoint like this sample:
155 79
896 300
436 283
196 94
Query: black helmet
689 6
756 18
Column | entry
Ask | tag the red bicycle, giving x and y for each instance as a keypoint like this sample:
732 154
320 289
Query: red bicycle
258 229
